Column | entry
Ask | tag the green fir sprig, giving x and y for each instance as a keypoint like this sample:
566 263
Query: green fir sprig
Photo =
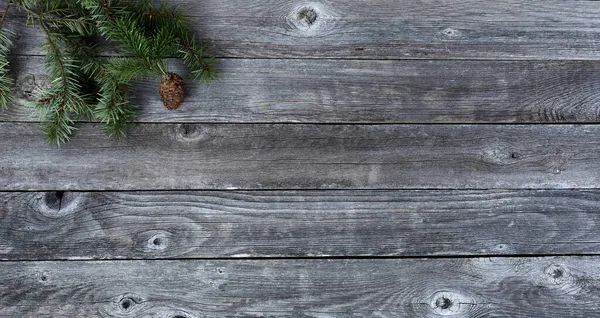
85 85
6 82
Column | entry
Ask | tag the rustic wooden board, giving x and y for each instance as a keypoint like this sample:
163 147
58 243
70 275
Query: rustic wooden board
390 29
359 91
481 287
194 253
237 156
159 225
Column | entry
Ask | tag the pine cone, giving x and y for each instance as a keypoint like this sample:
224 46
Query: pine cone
172 90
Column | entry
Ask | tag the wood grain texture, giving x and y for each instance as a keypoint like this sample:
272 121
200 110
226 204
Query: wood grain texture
389 29
481 287
335 91
186 156
160 225
330 68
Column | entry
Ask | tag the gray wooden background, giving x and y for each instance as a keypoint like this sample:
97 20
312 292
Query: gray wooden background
356 158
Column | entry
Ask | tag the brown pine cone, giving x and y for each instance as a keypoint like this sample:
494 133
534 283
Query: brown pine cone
172 90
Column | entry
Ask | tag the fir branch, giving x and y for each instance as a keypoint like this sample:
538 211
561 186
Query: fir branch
84 52
151 50
123 70
83 84
120 25
192 55
114 109
102 13
152 33
53 107
64 98
57 128
78 25
6 82
163 17
174 20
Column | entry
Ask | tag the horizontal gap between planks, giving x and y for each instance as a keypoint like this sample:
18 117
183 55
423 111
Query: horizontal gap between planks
498 190
232 123
474 59
294 258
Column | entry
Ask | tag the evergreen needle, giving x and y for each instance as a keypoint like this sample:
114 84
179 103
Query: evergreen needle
83 84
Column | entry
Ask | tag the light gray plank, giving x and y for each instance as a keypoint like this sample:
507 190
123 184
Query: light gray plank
159 225
296 156
507 29
481 287
335 91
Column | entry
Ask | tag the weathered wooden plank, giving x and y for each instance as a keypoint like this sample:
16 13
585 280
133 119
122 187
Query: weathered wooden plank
297 156
507 29
159 225
318 91
490 287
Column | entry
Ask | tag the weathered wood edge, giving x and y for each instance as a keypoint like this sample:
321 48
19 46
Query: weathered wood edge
217 224
478 287
388 29
297 156
333 91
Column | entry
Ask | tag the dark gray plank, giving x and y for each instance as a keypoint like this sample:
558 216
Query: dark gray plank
158 225
491 287
295 156
507 29
335 91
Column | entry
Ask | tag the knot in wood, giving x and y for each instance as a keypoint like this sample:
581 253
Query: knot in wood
158 242
311 20
451 32
189 133
308 15
502 248
54 199
443 303
306 19
43 278
126 304
501 154
557 274
56 204
447 303
187 130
